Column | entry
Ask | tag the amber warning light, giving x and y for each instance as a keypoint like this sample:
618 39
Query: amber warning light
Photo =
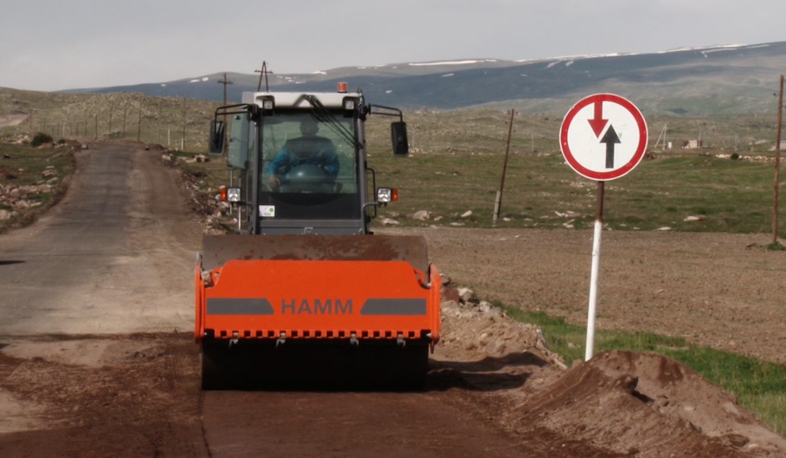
342 88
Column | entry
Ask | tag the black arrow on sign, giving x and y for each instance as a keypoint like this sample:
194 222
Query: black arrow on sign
610 139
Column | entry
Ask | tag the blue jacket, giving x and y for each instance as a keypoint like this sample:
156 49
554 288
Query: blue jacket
317 151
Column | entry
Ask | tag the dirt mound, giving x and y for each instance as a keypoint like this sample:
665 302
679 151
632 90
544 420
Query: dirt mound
481 329
619 403
650 406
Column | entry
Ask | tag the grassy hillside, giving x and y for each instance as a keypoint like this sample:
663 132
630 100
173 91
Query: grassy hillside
111 116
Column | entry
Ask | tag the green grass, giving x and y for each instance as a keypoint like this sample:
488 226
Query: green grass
27 165
458 157
728 196
760 386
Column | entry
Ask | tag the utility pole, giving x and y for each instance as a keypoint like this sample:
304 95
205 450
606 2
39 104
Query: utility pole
125 112
109 131
262 72
777 167
95 132
225 82
183 142
139 124
498 203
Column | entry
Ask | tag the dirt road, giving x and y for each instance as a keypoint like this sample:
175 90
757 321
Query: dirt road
97 358
114 257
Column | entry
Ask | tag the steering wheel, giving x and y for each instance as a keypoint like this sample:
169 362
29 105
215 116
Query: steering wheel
306 178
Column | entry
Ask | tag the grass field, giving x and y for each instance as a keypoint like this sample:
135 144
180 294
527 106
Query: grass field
454 169
457 160
22 165
760 386
117 116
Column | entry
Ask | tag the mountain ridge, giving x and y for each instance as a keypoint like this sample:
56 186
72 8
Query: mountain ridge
722 79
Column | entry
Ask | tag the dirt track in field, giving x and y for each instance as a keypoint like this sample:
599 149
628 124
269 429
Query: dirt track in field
97 357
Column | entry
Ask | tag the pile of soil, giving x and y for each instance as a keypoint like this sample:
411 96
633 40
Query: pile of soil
622 403
648 405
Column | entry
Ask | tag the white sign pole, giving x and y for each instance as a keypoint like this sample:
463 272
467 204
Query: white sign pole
603 137
593 294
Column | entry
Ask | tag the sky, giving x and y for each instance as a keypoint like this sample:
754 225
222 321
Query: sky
48 45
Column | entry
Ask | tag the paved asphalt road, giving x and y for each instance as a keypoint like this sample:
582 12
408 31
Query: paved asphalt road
115 256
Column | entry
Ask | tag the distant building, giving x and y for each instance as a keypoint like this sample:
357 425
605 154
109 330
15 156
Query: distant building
783 146
692 144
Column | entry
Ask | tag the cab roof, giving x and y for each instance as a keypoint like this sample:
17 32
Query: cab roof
296 100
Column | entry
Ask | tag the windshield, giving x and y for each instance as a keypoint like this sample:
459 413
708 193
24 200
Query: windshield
309 168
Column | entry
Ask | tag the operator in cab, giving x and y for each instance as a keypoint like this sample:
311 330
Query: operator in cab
308 150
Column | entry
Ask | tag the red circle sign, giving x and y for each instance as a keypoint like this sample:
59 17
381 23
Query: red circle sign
603 137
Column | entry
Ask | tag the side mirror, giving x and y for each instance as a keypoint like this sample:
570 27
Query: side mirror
217 134
398 133
239 141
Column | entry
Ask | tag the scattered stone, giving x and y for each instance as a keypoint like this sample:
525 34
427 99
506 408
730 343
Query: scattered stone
457 224
664 228
49 173
421 215
486 307
466 214
5 214
467 296
694 218
389 222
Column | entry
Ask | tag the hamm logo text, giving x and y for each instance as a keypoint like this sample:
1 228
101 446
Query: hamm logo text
316 306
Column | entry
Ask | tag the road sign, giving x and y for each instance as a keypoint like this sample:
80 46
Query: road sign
603 137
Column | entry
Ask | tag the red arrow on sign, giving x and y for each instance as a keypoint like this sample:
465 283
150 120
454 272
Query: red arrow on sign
598 123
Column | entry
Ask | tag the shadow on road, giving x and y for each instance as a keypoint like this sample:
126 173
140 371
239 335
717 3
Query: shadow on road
488 374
